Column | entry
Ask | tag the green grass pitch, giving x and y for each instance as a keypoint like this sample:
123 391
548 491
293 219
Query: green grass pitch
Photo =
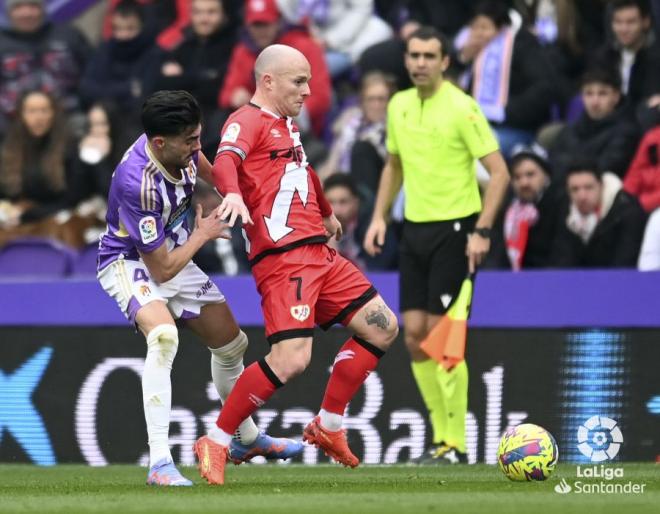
316 489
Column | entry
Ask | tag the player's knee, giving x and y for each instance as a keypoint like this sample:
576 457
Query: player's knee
295 367
163 342
392 330
290 365
386 334
231 353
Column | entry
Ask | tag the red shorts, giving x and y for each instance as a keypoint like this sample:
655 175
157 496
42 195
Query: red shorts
308 285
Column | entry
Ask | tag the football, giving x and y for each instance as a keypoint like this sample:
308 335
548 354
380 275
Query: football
527 452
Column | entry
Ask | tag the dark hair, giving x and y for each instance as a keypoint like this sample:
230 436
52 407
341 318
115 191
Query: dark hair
341 180
533 152
425 33
170 113
119 135
496 10
128 8
641 5
583 164
602 75
20 145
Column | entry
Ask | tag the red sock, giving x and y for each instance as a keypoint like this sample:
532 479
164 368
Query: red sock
356 359
252 389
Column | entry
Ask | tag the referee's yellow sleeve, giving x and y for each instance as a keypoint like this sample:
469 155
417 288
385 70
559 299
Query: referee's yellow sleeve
476 131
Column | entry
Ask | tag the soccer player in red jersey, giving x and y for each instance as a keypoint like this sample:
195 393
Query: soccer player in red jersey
262 171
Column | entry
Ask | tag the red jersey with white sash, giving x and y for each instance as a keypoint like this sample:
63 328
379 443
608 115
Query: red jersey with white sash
278 186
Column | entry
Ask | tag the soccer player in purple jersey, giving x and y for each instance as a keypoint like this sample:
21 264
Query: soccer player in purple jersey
145 265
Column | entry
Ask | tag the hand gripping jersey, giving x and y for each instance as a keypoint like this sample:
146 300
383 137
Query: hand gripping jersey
279 187
146 206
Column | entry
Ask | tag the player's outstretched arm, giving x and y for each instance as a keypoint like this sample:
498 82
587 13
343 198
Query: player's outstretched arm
232 207
164 265
225 178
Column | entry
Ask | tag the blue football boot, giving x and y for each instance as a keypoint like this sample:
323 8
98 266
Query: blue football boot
164 473
266 446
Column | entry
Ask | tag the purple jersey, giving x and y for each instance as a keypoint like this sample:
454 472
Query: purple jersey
146 206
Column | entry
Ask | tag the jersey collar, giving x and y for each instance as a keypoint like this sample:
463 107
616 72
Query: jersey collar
161 168
266 111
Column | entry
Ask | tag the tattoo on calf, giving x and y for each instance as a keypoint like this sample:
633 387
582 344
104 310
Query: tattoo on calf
378 317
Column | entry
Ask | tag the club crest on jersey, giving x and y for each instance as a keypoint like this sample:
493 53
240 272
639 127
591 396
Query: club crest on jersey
148 231
231 133
300 312
191 172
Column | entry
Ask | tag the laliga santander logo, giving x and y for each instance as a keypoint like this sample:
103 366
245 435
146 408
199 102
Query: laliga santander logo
599 438
563 487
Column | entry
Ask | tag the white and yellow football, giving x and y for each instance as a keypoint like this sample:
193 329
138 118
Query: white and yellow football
527 452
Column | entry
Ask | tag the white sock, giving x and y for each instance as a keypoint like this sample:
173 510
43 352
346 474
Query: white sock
330 421
226 367
162 344
220 436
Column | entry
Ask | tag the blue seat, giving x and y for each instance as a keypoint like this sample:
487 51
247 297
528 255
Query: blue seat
35 257
84 263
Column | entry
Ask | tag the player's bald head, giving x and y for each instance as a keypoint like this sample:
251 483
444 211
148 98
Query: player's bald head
277 59
282 75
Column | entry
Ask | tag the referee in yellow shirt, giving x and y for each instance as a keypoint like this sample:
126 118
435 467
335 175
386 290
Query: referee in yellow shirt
435 134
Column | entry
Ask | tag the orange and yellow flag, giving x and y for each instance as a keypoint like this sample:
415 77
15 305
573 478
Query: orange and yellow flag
445 343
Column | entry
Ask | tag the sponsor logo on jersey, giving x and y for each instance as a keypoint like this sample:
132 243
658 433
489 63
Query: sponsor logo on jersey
231 133
300 312
179 213
148 231
275 133
145 290
296 155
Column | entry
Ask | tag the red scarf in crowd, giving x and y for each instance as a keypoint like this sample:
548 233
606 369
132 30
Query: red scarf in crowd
519 218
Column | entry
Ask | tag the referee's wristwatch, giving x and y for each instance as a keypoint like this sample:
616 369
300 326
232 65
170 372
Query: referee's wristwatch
482 232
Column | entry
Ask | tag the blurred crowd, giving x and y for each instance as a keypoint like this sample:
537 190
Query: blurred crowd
571 88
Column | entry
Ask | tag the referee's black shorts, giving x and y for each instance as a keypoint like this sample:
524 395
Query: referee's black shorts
432 263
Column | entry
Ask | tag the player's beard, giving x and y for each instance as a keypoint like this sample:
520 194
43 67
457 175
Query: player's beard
186 161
